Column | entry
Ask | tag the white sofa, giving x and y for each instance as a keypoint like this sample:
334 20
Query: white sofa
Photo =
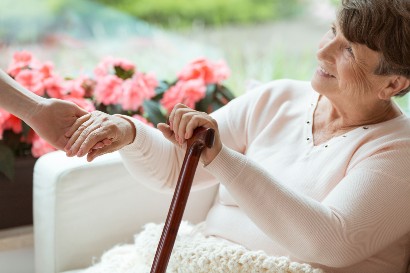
82 209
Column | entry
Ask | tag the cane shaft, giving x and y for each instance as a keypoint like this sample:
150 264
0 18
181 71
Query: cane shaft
203 137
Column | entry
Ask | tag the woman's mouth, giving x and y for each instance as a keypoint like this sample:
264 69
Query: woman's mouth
322 72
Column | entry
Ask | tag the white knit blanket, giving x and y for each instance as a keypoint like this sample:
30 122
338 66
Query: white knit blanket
193 253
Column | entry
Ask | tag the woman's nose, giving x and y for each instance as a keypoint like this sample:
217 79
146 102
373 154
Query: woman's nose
326 51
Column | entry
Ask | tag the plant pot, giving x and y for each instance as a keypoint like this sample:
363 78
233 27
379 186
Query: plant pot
16 197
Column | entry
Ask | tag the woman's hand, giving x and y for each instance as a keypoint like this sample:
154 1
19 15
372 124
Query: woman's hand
53 118
99 133
182 123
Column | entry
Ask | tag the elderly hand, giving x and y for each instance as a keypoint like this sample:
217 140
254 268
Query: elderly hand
99 133
182 123
53 118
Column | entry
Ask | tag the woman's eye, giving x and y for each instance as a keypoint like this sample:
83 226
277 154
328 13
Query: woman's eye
350 50
333 29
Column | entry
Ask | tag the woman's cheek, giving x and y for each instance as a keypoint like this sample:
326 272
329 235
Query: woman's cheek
356 80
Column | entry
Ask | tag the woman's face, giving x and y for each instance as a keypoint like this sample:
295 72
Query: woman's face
346 70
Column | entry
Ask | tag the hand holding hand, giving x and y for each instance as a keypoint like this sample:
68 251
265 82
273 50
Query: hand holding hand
53 118
99 133
182 123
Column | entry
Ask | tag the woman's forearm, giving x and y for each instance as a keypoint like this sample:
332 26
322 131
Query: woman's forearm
16 99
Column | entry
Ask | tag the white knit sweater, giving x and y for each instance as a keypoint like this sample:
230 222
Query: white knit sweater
342 205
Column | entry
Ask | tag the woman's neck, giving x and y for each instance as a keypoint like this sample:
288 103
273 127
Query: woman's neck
333 119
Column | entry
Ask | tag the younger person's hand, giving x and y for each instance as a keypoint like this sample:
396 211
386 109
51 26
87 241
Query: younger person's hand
52 118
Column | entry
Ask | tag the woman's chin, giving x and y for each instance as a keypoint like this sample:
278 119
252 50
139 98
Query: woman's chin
321 83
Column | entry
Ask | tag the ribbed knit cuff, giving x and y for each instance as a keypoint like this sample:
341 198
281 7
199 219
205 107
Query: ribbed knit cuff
140 136
227 166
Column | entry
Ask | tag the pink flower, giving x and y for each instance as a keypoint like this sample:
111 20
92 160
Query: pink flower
139 87
21 59
54 86
13 123
209 72
143 120
32 80
186 92
106 67
124 64
4 116
151 80
75 87
221 71
40 146
88 85
108 90
46 69
103 68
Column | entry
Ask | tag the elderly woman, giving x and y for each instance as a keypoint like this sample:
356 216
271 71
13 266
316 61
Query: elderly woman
317 171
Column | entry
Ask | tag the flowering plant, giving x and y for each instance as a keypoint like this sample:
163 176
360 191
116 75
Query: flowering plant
116 87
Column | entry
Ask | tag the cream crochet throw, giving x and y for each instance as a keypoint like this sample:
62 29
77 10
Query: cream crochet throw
193 253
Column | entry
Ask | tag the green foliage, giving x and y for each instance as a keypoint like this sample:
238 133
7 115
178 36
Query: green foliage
403 102
176 13
122 73
6 161
335 2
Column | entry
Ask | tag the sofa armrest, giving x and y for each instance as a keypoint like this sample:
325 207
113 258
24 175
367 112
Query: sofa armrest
82 209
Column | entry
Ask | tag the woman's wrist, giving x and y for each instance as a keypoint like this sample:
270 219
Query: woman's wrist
18 100
131 133
210 154
33 108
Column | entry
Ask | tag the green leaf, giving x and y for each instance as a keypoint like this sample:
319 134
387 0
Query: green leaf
6 161
153 112
203 105
122 73
225 92
215 105
162 87
26 129
114 109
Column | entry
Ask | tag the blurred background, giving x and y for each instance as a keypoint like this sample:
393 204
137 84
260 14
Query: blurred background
259 39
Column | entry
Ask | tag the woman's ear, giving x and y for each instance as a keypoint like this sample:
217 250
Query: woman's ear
395 85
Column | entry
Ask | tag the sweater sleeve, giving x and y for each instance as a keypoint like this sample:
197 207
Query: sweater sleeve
156 162
368 210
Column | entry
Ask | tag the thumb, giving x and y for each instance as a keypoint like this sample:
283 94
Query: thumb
167 132
92 154
101 144
80 112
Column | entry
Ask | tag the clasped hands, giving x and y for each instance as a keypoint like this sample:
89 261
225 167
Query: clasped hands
98 133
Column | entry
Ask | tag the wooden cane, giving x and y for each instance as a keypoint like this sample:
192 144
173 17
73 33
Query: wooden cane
202 138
